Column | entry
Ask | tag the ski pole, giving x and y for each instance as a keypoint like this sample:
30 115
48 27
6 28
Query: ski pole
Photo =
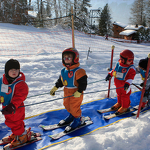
112 52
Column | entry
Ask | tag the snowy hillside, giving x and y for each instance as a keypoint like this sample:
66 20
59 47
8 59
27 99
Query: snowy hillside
39 53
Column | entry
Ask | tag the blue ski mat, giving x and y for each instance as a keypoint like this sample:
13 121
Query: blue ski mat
52 117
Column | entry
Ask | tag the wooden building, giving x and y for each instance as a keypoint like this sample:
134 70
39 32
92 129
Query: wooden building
131 32
117 28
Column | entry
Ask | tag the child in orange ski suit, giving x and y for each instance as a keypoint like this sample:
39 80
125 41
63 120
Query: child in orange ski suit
74 80
124 73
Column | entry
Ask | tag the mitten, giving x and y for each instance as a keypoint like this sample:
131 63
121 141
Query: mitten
1 99
77 94
126 86
142 84
9 109
108 77
52 92
147 92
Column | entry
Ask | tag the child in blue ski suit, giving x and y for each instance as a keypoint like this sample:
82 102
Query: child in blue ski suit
142 67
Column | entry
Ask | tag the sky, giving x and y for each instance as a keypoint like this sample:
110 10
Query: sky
119 9
39 53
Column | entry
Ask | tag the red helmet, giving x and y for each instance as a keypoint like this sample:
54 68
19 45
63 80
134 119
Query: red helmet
126 56
74 52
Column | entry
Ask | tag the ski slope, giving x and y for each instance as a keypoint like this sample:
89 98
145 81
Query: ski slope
39 53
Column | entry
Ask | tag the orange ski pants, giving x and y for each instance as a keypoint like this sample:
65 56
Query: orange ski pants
72 104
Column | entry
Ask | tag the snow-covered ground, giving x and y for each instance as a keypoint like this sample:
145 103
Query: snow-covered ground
39 53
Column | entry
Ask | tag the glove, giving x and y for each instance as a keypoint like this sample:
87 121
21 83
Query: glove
9 109
1 99
77 94
147 92
126 86
52 92
108 77
142 84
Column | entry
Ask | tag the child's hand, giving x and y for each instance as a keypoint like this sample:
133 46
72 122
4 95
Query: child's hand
126 86
52 92
142 84
1 99
9 109
77 94
108 77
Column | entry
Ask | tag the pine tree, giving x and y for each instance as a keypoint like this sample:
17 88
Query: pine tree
138 12
105 24
81 14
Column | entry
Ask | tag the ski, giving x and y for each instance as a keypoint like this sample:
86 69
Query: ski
32 134
136 107
55 126
33 139
3 143
63 133
105 110
113 115
136 111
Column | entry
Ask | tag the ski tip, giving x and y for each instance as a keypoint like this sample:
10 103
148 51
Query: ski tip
99 111
41 126
51 136
38 138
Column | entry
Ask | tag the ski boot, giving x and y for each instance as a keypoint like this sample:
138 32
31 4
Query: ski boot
19 140
116 106
144 104
76 123
66 121
122 110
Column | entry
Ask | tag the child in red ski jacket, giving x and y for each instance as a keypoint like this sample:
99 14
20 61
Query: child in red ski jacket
124 73
74 80
13 92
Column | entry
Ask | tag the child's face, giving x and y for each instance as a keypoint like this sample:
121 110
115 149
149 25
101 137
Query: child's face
142 68
128 62
68 58
13 73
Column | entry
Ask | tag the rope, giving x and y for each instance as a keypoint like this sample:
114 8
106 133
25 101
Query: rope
72 95
69 96
97 81
65 97
62 90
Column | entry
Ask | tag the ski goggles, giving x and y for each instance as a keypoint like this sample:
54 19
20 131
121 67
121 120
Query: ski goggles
67 58
124 60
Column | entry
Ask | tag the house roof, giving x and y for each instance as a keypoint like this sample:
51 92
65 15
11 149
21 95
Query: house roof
127 32
32 14
120 24
133 27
